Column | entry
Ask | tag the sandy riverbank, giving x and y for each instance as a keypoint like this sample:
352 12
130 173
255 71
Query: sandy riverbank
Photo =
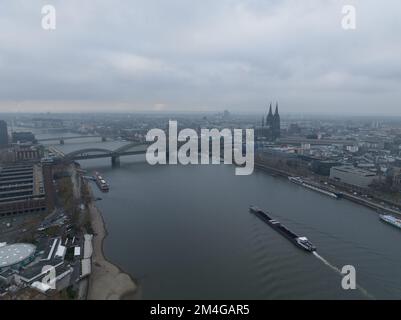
107 282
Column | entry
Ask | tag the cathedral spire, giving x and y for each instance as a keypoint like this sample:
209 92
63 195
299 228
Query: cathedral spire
276 123
270 110
269 118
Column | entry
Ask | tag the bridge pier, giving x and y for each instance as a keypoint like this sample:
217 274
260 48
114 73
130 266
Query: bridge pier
115 161
104 139
61 141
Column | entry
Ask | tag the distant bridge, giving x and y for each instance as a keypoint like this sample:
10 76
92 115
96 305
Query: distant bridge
134 148
295 140
62 139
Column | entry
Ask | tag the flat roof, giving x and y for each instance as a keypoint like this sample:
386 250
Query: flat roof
15 253
77 251
36 271
354 170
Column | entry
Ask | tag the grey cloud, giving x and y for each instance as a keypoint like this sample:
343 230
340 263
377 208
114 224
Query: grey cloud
192 55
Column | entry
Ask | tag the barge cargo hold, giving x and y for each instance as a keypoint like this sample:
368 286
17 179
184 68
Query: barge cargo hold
300 242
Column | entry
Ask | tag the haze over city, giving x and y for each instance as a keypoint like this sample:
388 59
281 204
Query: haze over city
128 56
184 151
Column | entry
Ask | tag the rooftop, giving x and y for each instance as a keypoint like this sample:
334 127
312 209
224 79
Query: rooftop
354 170
15 253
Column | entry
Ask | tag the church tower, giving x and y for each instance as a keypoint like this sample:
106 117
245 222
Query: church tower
269 118
270 129
276 123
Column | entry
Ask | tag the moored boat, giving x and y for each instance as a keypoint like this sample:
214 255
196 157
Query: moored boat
301 182
391 220
101 183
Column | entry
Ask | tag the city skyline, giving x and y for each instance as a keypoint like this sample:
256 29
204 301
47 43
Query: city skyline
214 151
181 57
65 179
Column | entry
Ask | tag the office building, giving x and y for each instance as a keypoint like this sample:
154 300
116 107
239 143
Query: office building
3 134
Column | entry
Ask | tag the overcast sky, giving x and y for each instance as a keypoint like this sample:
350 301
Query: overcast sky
201 55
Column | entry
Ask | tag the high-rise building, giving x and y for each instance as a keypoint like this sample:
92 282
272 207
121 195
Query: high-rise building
3 134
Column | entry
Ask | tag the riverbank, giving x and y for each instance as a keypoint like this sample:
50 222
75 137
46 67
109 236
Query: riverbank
346 195
107 281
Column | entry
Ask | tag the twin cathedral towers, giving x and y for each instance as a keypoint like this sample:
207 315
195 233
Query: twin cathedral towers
270 128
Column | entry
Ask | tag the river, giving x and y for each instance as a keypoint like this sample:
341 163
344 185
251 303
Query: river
185 232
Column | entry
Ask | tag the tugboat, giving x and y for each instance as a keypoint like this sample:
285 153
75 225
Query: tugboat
300 242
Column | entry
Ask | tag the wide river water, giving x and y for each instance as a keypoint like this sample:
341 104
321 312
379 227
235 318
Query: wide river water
185 232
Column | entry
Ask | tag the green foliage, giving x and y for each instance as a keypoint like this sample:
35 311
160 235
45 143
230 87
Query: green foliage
69 293
53 231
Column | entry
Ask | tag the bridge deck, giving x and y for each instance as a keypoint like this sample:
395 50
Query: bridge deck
99 150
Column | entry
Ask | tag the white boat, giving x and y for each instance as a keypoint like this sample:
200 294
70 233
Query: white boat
296 180
391 220
299 181
327 193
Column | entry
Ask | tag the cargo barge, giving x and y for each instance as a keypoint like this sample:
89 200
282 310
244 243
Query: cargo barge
300 242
